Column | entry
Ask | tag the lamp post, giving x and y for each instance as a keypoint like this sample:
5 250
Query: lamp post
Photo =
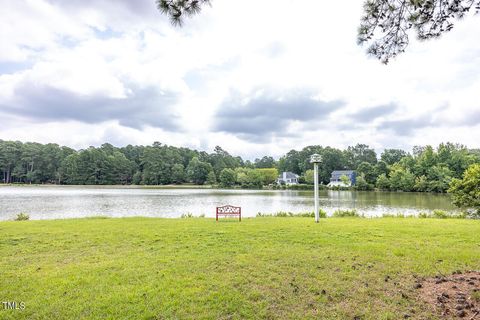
316 159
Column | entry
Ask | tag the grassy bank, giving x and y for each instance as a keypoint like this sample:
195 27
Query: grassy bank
140 268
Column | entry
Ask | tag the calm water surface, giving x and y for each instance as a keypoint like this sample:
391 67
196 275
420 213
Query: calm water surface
54 202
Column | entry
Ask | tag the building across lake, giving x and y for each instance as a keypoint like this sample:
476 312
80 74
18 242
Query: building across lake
337 180
288 178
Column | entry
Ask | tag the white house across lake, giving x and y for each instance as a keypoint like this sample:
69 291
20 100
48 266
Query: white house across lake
288 178
336 178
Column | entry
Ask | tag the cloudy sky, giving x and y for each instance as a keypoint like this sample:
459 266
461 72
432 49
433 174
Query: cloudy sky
255 77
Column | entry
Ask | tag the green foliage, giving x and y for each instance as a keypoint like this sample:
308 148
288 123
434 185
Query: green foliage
397 215
177 10
187 215
346 213
401 179
228 177
178 173
269 175
198 171
22 217
310 176
345 180
385 24
265 163
421 184
423 215
392 156
362 184
255 178
358 154
440 214
284 214
381 168
383 183
466 192
426 169
211 178
367 171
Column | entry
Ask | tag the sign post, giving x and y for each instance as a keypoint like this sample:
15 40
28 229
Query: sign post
316 159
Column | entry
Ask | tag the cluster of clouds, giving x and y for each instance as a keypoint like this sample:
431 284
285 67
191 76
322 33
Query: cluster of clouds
255 77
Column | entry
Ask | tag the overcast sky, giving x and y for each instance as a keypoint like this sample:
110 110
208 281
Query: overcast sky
255 77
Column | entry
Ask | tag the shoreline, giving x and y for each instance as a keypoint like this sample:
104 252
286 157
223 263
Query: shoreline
343 214
206 187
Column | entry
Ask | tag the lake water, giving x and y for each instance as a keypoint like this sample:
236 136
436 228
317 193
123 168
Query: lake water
57 202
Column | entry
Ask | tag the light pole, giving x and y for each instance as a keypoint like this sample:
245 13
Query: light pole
316 159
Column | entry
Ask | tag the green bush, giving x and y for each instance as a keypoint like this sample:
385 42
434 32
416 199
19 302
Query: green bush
22 217
186 215
323 213
284 214
440 214
465 192
345 213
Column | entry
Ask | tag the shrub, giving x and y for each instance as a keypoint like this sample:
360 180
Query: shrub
362 184
345 213
383 183
440 214
323 213
423 215
465 192
284 214
22 217
227 177
307 214
186 215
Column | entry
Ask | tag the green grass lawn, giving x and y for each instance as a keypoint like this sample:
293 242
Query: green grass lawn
263 268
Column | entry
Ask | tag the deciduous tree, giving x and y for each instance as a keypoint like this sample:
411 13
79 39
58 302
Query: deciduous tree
466 191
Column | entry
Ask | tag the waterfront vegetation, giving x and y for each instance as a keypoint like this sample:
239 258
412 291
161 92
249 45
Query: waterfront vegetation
346 213
425 169
268 268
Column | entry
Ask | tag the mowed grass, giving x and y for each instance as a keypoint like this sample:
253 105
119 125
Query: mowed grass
261 268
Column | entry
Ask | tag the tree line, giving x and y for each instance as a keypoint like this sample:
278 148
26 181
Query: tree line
425 169
158 164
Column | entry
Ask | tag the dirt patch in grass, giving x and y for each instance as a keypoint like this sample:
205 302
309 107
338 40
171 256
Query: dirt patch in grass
456 296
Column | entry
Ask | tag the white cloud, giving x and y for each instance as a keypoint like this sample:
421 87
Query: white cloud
115 49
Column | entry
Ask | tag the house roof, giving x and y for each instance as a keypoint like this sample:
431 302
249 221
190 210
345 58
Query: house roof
342 172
